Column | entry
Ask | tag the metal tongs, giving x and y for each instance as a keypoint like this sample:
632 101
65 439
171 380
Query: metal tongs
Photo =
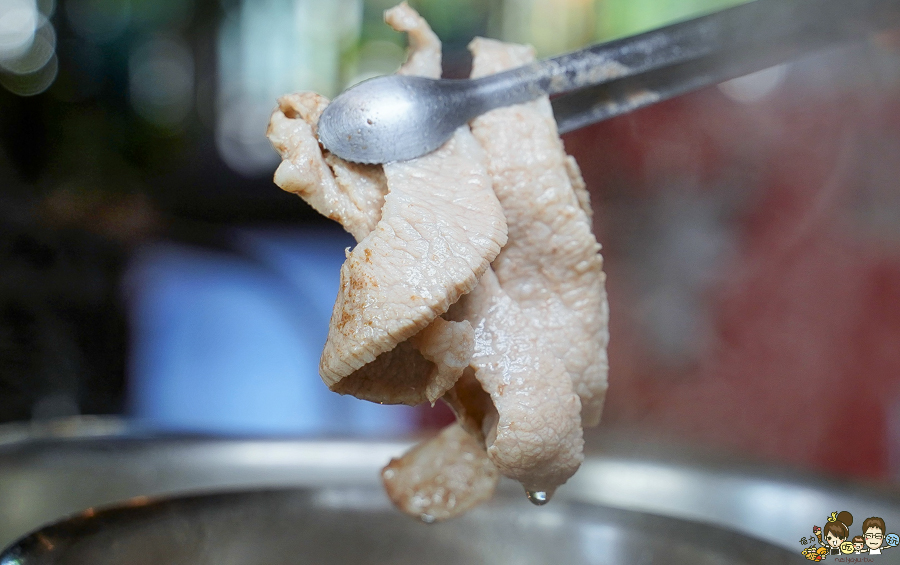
396 118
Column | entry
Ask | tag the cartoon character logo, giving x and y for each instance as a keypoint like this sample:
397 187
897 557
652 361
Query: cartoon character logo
833 538
835 533
814 553
876 538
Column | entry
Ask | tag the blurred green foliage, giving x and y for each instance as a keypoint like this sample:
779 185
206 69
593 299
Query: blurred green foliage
617 18
552 26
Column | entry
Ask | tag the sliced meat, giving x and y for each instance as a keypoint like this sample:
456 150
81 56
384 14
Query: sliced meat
424 57
449 346
472 406
520 355
353 194
400 376
365 186
449 474
440 228
442 477
551 264
353 197
578 184
537 438
464 232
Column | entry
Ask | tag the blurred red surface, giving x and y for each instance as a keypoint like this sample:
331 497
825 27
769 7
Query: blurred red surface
803 362
800 360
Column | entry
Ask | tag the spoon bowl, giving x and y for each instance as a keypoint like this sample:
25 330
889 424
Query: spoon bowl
394 118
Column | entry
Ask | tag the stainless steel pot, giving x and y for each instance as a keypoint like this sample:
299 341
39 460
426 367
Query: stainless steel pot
346 525
294 501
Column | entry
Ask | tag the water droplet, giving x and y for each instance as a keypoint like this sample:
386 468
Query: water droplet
537 497
427 518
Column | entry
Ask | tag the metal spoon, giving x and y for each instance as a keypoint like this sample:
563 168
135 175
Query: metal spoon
396 118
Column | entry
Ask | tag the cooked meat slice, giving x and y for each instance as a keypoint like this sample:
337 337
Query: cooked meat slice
442 477
551 265
352 199
537 439
399 376
441 226
441 216
353 195
517 348
355 201
449 474
449 345
365 185
424 57
471 405
350 193
578 184
418 370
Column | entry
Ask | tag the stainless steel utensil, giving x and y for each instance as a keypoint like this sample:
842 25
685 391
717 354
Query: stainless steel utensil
397 118
346 525
50 473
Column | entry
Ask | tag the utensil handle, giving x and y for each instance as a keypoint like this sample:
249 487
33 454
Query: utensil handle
736 31
859 18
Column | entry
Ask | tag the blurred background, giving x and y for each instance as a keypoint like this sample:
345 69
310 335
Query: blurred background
150 268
